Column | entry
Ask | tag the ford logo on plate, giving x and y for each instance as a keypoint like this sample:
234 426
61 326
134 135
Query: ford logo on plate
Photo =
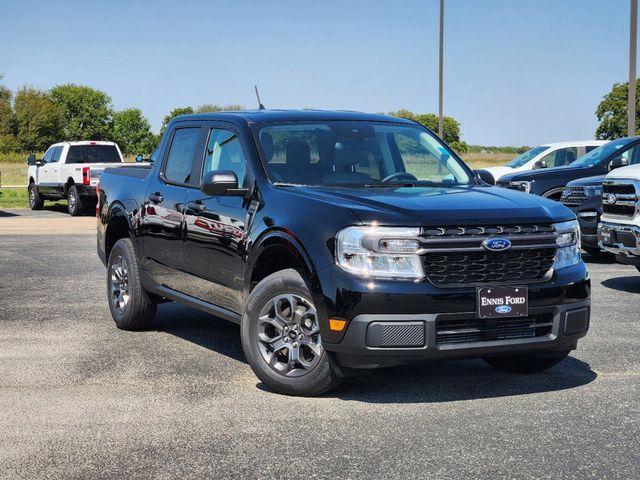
611 199
503 309
496 244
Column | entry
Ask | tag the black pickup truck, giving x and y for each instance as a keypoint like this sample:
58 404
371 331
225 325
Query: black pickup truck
340 242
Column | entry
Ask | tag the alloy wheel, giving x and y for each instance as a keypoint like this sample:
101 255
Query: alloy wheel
119 284
288 335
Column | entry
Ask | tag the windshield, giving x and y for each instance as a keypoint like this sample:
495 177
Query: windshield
523 158
358 153
602 153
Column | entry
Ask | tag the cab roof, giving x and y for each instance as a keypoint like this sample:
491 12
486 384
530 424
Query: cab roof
272 115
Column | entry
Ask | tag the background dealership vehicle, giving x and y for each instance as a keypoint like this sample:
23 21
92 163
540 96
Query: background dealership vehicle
70 170
340 241
619 229
548 155
550 182
584 198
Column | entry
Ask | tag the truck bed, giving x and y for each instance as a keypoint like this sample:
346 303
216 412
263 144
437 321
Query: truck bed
135 171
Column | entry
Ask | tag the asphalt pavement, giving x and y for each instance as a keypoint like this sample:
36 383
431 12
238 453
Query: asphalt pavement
81 399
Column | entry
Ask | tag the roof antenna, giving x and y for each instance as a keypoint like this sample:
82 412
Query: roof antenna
260 105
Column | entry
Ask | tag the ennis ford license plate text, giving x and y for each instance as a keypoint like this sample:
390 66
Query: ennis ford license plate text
496 302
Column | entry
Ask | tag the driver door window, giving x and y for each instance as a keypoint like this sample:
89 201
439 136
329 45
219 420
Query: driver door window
224 152
560 157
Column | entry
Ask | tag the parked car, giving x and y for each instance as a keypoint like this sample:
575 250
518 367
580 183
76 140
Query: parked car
545 156
70 170
550 182
584 198
619 229
340 242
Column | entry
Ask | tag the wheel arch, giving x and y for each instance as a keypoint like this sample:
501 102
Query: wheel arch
275 251
118 226
70 181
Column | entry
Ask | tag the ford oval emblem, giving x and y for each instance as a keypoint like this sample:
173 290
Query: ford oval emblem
496 244
611 199
503 309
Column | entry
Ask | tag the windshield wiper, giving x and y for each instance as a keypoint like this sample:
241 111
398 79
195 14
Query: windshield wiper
419 183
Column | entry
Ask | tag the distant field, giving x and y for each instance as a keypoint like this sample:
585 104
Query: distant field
14 173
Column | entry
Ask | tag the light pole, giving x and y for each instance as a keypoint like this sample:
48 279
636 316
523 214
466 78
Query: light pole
440 72
633 37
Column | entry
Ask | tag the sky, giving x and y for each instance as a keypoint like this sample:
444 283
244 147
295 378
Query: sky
517 72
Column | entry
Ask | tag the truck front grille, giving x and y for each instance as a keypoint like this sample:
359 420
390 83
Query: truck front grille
456 331
619 198
573 196
455 256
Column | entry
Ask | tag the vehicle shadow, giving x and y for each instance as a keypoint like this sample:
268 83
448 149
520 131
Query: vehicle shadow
7 214
598 259
205 330
629 284
430 382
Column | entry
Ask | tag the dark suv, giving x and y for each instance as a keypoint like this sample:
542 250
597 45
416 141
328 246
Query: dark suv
550 182
340 241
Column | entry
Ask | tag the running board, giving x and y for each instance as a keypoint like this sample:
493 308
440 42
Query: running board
196 303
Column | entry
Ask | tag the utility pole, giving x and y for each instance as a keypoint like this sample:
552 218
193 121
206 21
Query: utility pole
633 38
441 67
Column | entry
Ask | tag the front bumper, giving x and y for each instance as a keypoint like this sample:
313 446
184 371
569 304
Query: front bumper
417 308
622 240
588 214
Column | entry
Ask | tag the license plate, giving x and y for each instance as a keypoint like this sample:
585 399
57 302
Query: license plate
496 302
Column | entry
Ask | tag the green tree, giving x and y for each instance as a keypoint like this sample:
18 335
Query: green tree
612 112
132 131
86 112
450 126
210 107
37 119
6 112
172 114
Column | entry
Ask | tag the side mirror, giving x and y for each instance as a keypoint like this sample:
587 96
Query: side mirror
139 158
31 160
221 182
618 162
540 164
485 176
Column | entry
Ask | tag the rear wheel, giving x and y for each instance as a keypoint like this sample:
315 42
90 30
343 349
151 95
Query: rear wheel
281 337
35 200
131 307
74 203
531 363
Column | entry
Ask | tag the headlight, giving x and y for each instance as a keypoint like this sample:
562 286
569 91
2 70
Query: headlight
568 241
380 252
593 190
522 185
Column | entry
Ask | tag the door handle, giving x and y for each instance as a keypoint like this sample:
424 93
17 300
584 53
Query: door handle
197 206
156 197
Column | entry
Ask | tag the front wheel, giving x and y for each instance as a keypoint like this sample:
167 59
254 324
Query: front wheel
531 363
35 200
281 337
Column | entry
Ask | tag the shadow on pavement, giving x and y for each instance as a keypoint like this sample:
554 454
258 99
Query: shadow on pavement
626 284
7 214
425 383
603 259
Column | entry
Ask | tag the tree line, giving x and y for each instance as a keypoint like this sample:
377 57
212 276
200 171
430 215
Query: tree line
32 119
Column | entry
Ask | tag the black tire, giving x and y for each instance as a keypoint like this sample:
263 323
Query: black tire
139 310
35 200
74 205
318 379
597 253
525 363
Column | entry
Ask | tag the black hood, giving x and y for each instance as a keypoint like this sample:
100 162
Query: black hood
545 173
415 206
581 182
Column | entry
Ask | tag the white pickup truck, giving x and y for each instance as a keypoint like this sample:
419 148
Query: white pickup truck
70 170
619 228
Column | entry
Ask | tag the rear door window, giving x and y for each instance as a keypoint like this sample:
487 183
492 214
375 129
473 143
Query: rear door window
179 163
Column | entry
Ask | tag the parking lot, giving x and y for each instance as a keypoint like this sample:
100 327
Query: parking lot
82 399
